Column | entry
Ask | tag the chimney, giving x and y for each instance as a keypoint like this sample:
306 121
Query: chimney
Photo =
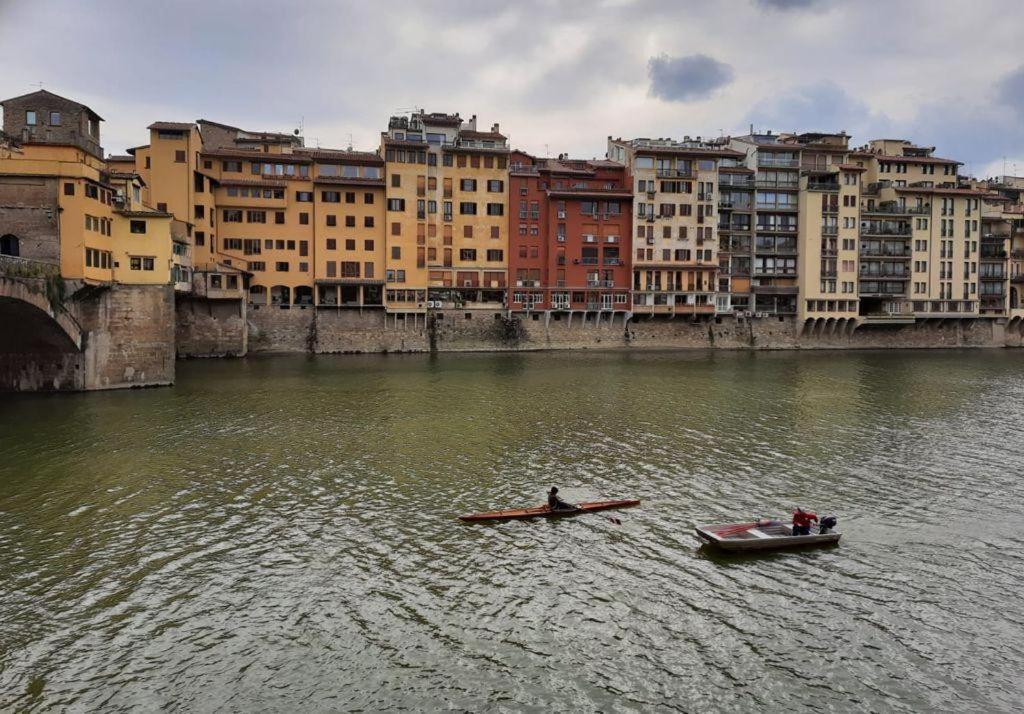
472 123
495 129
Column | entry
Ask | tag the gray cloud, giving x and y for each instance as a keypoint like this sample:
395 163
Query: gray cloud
1010 90
681 79
824 106
788 4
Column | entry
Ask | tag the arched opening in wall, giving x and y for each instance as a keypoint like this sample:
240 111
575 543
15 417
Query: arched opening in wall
303 295
257 295
281 295
9 245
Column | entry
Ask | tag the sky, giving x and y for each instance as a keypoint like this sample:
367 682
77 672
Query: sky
559 77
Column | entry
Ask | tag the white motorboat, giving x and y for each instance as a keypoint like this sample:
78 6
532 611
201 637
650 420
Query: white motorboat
763 535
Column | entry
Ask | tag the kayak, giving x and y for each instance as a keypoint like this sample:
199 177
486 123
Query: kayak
545 512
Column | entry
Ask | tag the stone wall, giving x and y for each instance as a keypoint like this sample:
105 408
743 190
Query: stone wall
129 340
210 328
344 330
28 211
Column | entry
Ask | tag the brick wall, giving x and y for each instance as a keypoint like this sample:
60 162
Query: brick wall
28 211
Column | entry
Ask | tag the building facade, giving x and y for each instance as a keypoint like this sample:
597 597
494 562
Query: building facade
675 223
570 228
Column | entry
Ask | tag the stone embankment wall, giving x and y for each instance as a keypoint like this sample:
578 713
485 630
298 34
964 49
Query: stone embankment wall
129 336
86 337
210 328
272 329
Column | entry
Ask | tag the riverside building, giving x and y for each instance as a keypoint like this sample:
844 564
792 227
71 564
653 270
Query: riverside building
447 218
675 240
570 228
62 205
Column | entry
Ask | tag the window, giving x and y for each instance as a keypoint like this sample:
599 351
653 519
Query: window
332 220
91 191
467 184
350 244
495 186
200 238
350 197
495 209
467 208
350 221
467 254
495 256
281 266
30 118
396 228
256 216
367 245
137 226
349 269
179 157
232 215
235 166
199 211
303 219
396 252
279 217
304 196
134 262
368 221
232 244
396 204
69 189
368 198
330 196
54 118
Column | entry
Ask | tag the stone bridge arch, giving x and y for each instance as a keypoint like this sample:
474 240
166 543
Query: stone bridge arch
26 307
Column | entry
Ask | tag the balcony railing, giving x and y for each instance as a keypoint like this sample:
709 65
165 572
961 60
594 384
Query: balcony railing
822 185
675 173
869 229
769 161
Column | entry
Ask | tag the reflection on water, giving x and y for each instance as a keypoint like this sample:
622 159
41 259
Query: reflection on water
279 533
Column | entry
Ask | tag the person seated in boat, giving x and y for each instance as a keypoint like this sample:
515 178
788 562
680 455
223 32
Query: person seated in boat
802 521
557 504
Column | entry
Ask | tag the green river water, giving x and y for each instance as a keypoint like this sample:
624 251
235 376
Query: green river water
280 534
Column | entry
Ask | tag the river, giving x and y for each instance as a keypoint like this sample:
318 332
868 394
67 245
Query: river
279 534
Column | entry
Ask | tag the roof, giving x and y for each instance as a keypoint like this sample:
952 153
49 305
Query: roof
851 167
948 191
470 134
341 155
54 96
121 157
147 213
136 148
914 159
349 180
171 126
263 183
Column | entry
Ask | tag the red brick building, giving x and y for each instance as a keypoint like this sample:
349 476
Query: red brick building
570 228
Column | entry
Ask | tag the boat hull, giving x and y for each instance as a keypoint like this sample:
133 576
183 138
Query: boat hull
515 514
777 537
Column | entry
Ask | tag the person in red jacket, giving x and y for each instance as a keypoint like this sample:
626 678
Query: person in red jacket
802 521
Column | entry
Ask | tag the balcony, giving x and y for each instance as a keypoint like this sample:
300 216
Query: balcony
769 161
774 183
726 181
822 185
830 230
676 173
875 229
766 206
733 205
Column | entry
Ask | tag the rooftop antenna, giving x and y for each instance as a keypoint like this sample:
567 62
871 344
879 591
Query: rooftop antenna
350 142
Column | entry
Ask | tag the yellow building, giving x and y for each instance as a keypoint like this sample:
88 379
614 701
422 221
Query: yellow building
447 213
51 155
675 223
270 219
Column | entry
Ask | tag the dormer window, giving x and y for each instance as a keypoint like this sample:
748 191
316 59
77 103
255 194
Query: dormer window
30 118
54 118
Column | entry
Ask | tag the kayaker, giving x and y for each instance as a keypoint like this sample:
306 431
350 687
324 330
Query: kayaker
802 521
557 504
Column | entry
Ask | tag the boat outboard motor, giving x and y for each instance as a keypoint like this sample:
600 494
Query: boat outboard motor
826 524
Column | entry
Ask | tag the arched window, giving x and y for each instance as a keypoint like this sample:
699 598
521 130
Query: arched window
9 245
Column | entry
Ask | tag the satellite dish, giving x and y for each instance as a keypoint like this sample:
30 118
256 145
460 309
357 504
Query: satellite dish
296 132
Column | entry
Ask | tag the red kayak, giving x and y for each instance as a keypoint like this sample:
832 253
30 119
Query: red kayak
545 512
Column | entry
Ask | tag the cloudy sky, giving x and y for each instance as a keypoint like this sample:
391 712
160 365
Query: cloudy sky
558 76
